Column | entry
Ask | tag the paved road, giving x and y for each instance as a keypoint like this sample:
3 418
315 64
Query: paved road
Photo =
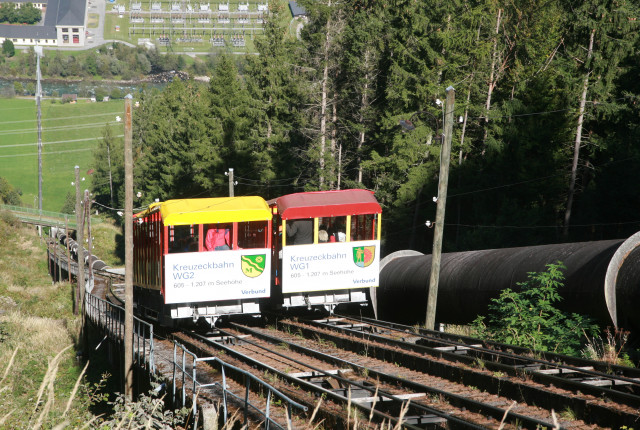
96 35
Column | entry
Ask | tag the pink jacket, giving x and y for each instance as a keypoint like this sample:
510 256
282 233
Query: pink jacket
217 237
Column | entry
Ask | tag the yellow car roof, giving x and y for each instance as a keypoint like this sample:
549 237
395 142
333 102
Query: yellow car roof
211 211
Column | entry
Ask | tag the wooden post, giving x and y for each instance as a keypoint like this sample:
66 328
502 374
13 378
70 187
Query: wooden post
87 203
66 233
128 251
230 173
48 257
58 256
443 182
79 240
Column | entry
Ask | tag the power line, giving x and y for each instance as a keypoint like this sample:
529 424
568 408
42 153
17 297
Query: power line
265 185
118 209
61 118
47 153
55 142
13 109
601 224
491 117
262 181
53 129
507 185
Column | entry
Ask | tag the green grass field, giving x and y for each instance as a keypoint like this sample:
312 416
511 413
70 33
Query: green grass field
70 132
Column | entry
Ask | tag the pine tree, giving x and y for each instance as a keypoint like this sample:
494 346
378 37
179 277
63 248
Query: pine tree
233 118
358 87
173 132
601 34
322 41
273 82
108 166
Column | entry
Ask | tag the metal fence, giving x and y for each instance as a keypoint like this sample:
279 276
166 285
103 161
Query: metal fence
36 216
110 318
188 369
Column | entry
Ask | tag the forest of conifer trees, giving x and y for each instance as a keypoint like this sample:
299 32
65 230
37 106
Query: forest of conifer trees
545 141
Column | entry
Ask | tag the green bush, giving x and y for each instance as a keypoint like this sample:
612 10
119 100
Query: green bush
8 194
69 206
529 318
8 48
116 93
9 219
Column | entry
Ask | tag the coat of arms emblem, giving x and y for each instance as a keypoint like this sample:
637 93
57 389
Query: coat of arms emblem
253 265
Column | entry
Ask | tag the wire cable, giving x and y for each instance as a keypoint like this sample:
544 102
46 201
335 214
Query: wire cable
52 129
55 142
61 118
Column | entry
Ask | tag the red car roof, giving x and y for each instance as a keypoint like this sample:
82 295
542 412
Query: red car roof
327 204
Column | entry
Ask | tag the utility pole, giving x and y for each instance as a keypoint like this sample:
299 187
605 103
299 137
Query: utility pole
443 182
80 242
38 50
110 179
128 251
66 234
87 212
230 174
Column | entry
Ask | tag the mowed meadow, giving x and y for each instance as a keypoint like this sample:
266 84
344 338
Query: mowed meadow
70 133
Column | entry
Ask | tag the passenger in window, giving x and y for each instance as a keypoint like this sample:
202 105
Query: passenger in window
338 233
300 231
217 239
191 244
323 236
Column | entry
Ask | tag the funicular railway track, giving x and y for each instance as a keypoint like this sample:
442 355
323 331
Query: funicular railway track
346 397
450 381
589 404
447 380
590 372
311 359
351 373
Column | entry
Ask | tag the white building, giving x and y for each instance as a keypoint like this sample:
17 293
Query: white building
64 24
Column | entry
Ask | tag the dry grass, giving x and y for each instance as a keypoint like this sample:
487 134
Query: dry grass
40 366
105 238
38 329
41 335
460 330
610 348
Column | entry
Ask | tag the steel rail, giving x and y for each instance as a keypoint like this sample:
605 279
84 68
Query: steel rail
327 374
309 386
575 386
432 336
248 377
460 401
591 411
